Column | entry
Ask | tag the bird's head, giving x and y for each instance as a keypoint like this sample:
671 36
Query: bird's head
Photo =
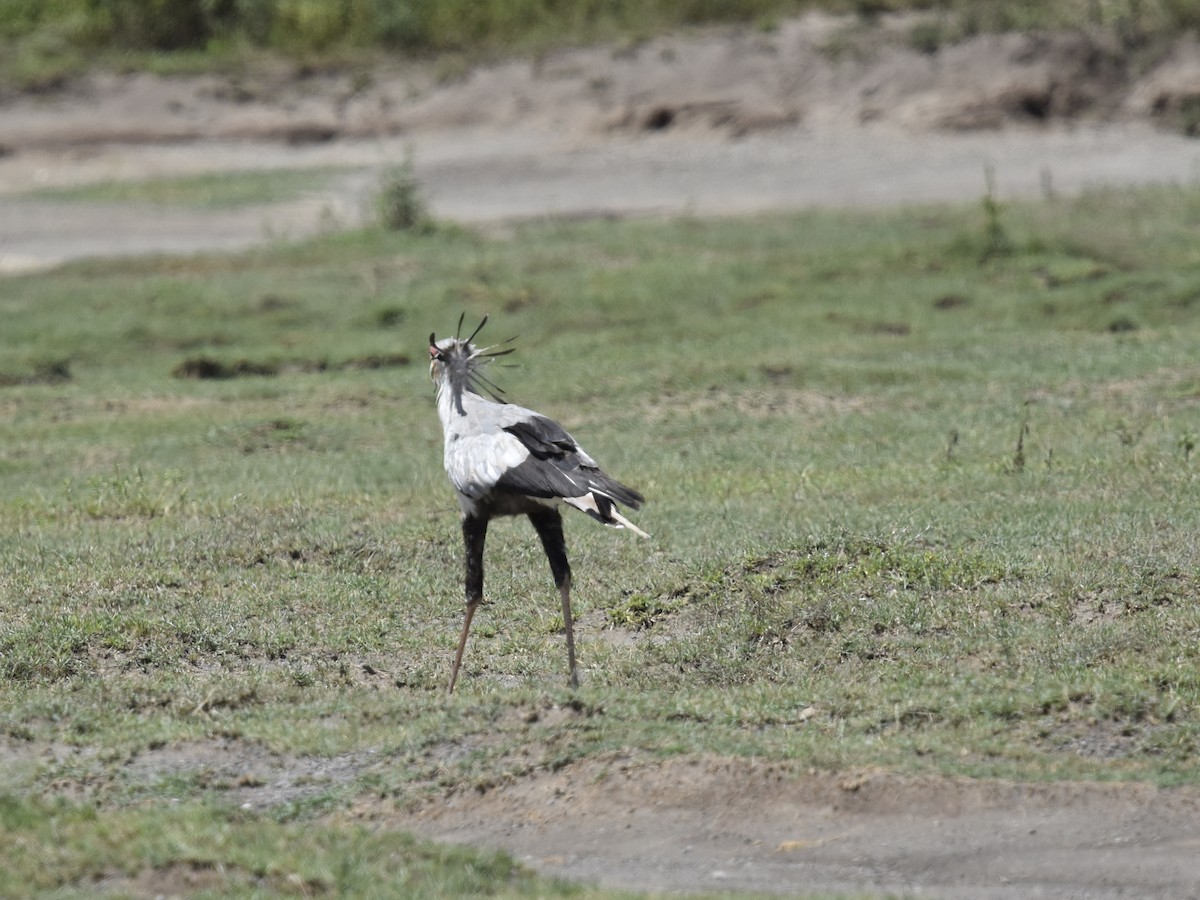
445 355
457 364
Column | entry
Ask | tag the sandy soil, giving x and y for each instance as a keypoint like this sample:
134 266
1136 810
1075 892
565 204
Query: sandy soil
817 113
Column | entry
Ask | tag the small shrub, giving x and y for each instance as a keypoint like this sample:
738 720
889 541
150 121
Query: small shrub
996 241
926 37
206 368
56 371
400 205
1189 115
390 316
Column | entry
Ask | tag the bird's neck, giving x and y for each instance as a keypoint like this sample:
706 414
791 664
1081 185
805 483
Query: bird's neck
449 403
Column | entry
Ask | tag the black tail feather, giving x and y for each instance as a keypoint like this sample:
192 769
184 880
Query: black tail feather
610 487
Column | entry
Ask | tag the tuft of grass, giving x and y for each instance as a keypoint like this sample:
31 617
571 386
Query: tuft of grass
399 201
996 240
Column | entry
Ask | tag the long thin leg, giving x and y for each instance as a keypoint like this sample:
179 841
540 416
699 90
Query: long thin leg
474 530
549 528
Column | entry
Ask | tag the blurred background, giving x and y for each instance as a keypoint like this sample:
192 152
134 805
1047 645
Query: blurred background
192 125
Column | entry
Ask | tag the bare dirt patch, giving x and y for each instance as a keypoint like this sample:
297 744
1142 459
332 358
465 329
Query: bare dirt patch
745 825
243 773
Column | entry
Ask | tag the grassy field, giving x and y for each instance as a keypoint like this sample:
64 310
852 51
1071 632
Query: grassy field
224 190
920 485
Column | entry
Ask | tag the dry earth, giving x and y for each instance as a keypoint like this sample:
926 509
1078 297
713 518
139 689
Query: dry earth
817 112
742 825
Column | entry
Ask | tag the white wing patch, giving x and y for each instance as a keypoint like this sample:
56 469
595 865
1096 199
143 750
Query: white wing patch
475 462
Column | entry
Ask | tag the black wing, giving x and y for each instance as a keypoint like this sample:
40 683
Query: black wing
554 467
544 438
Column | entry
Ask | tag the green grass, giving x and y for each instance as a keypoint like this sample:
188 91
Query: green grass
68 850
225 190
915 503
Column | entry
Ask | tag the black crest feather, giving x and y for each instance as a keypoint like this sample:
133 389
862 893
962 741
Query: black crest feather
464 363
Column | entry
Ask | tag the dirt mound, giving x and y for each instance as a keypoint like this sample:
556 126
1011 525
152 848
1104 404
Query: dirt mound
818 70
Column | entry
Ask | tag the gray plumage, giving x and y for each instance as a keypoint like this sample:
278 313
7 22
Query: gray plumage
504 459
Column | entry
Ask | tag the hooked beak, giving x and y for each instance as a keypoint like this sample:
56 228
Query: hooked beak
433 356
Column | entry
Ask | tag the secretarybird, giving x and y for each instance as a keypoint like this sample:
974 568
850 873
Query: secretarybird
505 460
